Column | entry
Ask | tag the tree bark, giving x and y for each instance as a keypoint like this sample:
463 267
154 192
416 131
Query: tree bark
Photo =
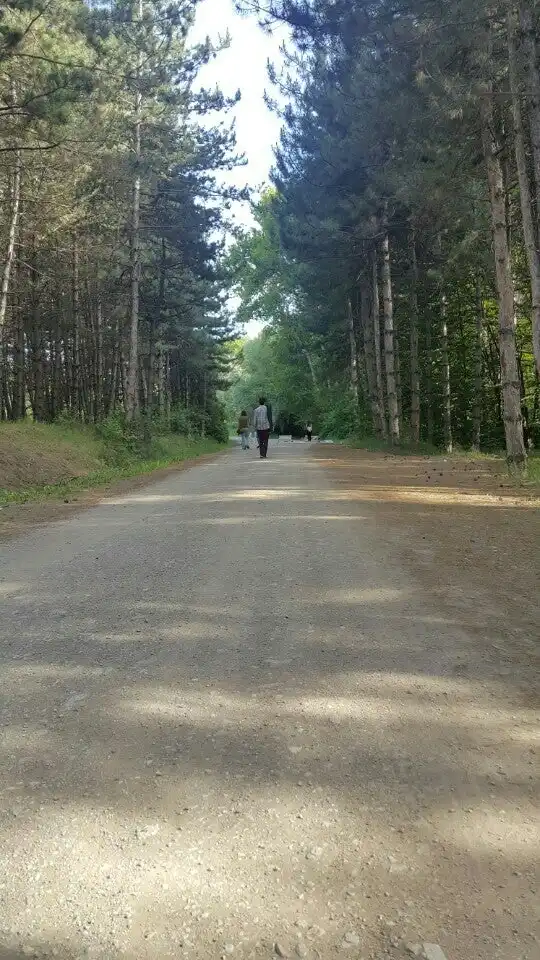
76 377
397 364
415 361
446 390
155 331
369 359
12 236
6 272
526 18
389 353
353 350
376 325
530 231
19 365
430 424
478 368
99 363
132 389
510 388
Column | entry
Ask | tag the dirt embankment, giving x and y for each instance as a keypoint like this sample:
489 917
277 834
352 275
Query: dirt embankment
38 458
32 454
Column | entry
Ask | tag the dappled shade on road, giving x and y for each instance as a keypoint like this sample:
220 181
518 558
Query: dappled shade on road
237 727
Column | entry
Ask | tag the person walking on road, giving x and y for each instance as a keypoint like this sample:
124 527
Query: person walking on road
243 429
262 421
309 431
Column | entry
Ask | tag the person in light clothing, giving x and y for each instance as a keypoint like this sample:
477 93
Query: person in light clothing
262 421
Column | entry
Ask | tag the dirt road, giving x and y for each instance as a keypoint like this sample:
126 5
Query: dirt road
267 708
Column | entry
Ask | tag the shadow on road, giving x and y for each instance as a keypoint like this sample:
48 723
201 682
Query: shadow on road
374 732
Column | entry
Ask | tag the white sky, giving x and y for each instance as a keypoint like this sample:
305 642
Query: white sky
243 66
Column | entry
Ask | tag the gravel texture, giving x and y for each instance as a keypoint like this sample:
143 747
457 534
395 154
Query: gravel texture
233 726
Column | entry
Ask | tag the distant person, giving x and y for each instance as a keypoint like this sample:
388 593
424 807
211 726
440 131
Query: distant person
262 421
309 432
243 429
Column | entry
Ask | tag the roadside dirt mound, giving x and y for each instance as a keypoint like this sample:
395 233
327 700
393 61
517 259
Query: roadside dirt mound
35 453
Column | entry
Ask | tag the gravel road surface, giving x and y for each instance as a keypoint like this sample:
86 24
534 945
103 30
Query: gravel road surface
234 724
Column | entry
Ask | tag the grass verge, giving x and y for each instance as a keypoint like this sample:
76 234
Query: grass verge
57 461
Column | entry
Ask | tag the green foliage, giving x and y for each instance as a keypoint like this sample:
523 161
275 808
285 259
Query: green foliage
196 422
215 424
273 365
122 443
342 418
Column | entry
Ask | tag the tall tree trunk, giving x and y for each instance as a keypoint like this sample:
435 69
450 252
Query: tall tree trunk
446 390
376 325
293 327
445 353
530 230
515 448
6 400
56 373
415 361
155 331
353 349
133 363
311 366
167 386
389 354
528 30
478 368
7 268
161 383
369 358
99 363
19 399
536 400
397 362
12 236
116 375
205 403
76 370
38 405
430 423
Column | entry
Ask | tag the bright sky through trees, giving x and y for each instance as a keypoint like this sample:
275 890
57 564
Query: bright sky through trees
243 67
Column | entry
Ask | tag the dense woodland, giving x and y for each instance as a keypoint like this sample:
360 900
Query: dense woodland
397 260
111 297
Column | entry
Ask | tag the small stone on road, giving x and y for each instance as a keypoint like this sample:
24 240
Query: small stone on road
432 951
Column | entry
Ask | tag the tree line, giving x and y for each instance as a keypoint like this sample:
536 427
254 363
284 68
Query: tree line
112 213
398 257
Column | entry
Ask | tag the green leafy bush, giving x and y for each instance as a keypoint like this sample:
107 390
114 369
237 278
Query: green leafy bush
342 417
122 442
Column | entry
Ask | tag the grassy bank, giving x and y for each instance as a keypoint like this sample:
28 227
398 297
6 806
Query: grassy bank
40 461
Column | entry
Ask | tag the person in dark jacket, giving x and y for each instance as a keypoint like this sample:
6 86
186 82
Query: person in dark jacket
243 429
